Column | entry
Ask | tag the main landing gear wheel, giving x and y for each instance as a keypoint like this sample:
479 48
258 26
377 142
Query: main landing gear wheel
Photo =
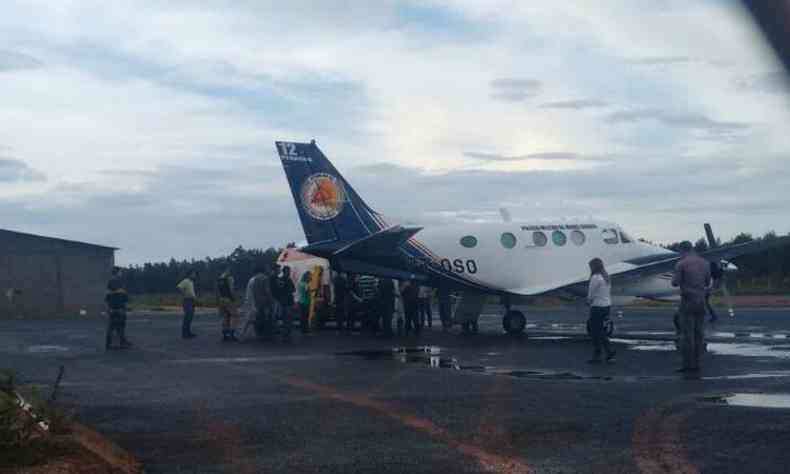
514 322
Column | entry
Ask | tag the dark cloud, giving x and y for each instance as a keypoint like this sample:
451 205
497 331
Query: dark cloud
769 83
13 170
515 89
554 156
577 104
684 120
13 61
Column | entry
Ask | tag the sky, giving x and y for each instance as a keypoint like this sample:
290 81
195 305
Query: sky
150 126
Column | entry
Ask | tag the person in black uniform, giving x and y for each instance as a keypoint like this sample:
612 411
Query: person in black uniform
285 298
410 295
116 300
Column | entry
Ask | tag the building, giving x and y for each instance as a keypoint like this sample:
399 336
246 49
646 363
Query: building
45 277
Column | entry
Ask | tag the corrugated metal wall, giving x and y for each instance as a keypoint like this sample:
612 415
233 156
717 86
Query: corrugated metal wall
50 278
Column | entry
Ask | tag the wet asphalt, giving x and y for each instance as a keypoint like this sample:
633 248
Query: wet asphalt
441 402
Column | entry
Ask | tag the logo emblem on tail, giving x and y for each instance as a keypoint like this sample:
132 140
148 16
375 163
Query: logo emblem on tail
323 196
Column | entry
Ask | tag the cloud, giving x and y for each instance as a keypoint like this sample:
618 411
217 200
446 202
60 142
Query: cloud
769 83
14 61
549 156
515 89
577 104
13 170
681 120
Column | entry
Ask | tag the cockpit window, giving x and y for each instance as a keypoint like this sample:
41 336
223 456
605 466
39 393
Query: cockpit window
610 236
625 238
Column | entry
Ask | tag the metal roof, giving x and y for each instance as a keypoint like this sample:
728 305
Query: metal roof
73 242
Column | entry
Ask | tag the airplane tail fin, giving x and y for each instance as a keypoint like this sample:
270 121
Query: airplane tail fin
329 208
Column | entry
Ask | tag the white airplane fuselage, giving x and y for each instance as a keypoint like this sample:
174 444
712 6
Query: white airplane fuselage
515 258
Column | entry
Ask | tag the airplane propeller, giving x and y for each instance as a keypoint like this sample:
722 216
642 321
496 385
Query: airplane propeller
725 267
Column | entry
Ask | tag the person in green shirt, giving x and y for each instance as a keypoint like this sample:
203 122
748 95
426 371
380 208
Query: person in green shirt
303 300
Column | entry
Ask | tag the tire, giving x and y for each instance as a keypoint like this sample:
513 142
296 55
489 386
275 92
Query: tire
514 322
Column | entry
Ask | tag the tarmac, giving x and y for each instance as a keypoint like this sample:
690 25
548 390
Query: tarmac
441 402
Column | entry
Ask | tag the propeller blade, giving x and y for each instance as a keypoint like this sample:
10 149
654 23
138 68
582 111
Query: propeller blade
711 238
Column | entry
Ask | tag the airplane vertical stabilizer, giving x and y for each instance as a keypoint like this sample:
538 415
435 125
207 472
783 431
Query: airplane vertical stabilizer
329 208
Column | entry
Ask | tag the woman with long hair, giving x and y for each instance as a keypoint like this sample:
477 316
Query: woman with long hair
600 300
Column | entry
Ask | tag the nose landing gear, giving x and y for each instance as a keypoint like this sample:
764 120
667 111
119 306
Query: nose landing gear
514 322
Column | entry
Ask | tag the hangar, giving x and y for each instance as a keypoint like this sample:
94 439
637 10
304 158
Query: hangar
46 277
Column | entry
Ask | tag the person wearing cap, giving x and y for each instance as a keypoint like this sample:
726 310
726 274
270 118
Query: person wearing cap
693 277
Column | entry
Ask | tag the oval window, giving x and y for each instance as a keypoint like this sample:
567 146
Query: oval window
578 237
610 236
559 238
539 239
508 240
469 241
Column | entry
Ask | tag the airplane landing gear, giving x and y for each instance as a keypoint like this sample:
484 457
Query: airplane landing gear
514 322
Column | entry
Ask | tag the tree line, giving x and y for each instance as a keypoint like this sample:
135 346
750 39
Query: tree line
162 278
767 271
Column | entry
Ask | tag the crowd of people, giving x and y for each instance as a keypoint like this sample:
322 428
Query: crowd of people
388 307
271 303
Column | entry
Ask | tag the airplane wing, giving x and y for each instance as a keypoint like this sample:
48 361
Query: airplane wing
625 271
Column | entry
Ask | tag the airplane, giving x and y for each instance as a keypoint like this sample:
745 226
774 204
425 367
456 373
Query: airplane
515 261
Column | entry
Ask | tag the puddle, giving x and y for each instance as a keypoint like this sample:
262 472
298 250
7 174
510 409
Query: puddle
431 356
660 346
46 349
759 400
239 360
748 350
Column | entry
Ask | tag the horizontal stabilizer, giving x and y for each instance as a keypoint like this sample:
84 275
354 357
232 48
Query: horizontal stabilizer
384 243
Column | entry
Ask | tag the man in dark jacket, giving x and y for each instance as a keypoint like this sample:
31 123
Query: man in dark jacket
410 295
116 300
692 275
284 295
387 292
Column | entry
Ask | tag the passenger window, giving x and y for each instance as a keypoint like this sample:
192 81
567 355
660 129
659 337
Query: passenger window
508 240
610 236
469 241
539 239
578 237
625 238
559 238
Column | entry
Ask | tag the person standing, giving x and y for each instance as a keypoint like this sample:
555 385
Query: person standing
600 300
426 317
260 287
189 298
285 299
116 300
367 290
387 292
303 300
410 294
226 303
445 308
692 276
